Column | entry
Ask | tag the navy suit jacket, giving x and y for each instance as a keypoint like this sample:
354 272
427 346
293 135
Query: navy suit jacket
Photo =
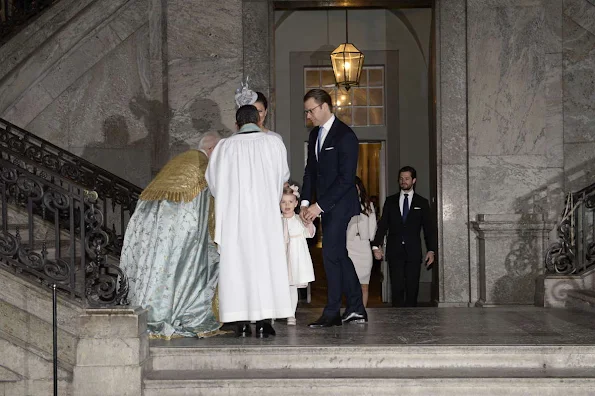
332 176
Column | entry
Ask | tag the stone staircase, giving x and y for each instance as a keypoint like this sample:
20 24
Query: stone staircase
581 299
423 351
373 370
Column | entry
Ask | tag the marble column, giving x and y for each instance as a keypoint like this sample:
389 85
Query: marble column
204 68
453 207
511 249
258 33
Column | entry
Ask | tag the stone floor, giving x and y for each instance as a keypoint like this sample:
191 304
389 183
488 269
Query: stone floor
426 326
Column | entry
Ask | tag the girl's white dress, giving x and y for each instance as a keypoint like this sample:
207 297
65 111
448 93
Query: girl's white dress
299 262
360 231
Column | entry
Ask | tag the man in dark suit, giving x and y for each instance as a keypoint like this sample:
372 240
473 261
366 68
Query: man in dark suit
404 215
330 176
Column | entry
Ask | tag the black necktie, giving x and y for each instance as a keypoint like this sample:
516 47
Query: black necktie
405 207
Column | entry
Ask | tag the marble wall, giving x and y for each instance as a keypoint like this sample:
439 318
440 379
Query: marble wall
578 59
125 84
204 68
515 134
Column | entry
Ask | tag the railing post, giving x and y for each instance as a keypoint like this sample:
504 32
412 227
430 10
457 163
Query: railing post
55 337
112 352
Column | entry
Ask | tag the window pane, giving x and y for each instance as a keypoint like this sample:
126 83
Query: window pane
375 78
312 78
333 93
360 106
363 81
360 96
360 116
328 78
375 95
376 116
343 98
344 114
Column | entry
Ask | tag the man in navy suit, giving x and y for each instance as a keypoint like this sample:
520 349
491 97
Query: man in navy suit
404 215
330 176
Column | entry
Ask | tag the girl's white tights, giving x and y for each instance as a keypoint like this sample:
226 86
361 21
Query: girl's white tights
293 292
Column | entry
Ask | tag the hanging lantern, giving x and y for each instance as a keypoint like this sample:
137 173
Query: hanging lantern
347 61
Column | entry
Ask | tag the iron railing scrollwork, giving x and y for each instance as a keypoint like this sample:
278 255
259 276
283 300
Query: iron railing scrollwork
574 251
63 218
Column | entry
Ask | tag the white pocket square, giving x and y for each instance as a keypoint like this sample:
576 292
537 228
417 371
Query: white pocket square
329 148
417 207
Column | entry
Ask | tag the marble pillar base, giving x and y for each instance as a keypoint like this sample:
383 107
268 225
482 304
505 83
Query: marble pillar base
510 256
552 289
112 353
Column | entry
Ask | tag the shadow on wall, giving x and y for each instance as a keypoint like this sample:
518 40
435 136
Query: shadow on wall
549 199
130 161
156 119
522 269
135 161
206 117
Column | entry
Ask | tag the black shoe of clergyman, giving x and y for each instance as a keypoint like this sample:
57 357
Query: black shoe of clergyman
355 317
325 321
264 330
243 330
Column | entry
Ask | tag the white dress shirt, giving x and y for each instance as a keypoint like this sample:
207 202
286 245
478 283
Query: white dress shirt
326 128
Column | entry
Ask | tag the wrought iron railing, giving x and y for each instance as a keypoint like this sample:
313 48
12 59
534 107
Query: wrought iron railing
63 218
575 250
16 14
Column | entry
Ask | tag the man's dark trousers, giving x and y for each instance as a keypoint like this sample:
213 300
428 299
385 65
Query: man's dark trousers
339 269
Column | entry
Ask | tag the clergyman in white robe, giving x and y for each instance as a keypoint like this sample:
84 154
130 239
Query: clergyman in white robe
246 173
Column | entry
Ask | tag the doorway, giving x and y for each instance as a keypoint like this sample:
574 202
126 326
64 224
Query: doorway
371 169
390 106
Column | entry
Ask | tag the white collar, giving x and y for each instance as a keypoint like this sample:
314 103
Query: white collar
410 192
327 125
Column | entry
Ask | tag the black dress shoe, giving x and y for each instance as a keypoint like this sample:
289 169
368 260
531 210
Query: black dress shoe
325 321
355 317
264 329
243 330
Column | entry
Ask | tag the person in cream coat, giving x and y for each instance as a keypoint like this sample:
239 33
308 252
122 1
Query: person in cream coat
360 232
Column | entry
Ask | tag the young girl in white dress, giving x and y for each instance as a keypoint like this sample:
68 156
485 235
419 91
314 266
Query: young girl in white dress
299 262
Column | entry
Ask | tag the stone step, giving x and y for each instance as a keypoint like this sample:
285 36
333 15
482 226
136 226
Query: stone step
377 357
399 381
581 299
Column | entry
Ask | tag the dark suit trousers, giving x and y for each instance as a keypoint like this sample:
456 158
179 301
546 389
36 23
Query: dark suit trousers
340 272
404 280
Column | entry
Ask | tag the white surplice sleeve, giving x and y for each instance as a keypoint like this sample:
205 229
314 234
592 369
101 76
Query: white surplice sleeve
211 173
285 165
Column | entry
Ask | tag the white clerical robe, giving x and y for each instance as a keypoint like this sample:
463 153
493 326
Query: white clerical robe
246 173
